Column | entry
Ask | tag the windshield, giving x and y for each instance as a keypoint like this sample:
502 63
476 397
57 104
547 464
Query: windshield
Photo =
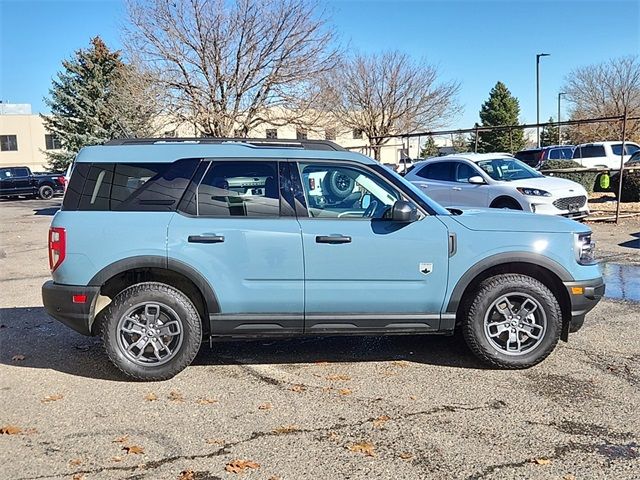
507 169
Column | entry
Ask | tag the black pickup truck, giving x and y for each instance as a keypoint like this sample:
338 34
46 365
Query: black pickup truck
20 182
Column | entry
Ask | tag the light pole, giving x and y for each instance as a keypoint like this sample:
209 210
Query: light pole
538 55
559 126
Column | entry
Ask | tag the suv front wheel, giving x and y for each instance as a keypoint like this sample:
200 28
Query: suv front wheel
513 321
151 331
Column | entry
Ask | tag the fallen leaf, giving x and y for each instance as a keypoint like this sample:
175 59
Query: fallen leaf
412 397
78 476
569 476
135 449
75 462
176 396
542 461
378 422
264 406
10 430
400 363
51 398
151 397
344 391
365 448
206 401
214 441
122 439
116 459
298 388
338 377
406 455
238 466
18 358
187 474
286 429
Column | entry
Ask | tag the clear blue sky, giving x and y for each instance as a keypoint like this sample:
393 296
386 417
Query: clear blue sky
474 42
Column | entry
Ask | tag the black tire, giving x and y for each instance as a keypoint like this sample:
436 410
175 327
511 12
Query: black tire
477 311
45 192
168 299
506 203
338 185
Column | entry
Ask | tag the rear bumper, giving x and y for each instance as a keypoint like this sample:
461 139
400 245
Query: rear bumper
584 295
58 302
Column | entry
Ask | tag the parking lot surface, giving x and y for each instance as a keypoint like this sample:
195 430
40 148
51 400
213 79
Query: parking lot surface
356 407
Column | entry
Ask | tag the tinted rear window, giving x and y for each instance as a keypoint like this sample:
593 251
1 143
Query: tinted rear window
530 157
128 186
438 171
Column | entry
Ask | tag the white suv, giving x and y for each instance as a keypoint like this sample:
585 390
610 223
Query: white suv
497 180
603 154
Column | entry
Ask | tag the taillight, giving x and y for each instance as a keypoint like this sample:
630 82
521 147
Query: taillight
61 180
57 247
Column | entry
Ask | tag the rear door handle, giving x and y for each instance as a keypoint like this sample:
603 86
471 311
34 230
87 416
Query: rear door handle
205 238
457 189
333 239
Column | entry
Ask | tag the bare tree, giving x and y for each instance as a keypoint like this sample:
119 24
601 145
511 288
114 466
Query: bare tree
233 64
604 90
387 94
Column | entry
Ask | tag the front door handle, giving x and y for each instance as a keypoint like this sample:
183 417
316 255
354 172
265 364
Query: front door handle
333 239
457 189
205 238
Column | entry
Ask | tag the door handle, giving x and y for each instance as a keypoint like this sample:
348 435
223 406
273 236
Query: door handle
333 239
457 189
205 239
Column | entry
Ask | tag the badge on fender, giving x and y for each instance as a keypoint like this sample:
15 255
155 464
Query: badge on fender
426 268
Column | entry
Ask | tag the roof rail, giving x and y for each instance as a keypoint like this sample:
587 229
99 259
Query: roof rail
254 142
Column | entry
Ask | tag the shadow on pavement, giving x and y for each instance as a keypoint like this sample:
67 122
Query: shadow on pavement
47 344
47 210
632 243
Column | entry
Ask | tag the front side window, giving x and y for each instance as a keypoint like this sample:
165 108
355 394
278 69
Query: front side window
341 191
464 172
20 172
241 189
8 143
507 169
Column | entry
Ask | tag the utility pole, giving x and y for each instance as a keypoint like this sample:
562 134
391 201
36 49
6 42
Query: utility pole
559 126
538 55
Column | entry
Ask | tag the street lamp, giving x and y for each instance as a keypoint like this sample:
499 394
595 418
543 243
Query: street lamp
559 126
538 55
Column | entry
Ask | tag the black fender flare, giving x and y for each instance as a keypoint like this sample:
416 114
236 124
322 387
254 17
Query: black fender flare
157 261
532 259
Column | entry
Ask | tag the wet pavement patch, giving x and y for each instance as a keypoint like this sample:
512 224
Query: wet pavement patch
623 281
620 452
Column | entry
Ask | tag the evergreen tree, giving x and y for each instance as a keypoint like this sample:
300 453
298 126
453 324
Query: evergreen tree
501 108
429 149
86 100
549 135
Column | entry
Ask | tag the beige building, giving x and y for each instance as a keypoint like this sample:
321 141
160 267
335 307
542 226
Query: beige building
25 141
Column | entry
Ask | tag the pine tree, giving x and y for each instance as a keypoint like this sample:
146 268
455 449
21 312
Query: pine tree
501 108
429 149
549 135
86 101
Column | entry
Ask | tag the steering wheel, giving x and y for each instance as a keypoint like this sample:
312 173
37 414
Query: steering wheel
371 209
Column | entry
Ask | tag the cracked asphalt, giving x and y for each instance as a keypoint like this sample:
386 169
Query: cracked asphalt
357 408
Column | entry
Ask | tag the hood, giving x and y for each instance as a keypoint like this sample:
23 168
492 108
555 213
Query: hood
551 184
499 220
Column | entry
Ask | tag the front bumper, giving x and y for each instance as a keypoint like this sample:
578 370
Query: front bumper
584 295
58 301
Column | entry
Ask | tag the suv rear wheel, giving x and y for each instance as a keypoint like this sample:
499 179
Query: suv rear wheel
514 321
151 331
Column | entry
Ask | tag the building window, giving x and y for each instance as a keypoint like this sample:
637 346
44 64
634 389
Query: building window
52 142
8 143
169 134
330 134
239 133
357 134
301 134
272 133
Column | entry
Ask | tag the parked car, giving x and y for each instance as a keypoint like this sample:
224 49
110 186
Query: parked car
404 165
535 157
603 154
498 181
20 182
160 245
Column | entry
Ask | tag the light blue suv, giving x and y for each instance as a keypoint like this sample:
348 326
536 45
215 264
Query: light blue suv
161 244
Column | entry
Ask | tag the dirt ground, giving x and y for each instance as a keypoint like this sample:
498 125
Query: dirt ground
317 408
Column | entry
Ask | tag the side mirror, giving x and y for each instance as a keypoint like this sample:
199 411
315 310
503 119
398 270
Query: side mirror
404 212
365 201
477 180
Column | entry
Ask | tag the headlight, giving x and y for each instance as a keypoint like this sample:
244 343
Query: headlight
585 249
533 192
